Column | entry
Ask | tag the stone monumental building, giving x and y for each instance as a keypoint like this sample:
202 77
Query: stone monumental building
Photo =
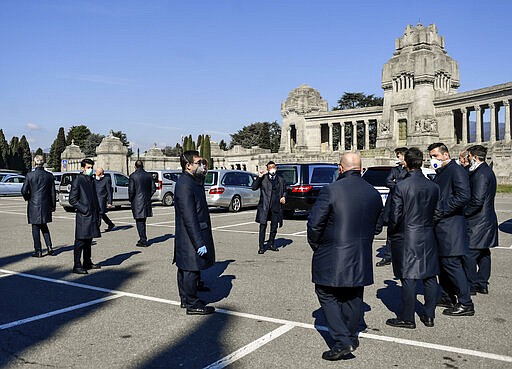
421 106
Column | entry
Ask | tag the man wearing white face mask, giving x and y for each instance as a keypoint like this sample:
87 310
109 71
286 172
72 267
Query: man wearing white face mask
84 199
272 196
450 230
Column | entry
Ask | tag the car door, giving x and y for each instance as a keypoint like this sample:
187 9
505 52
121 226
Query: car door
253 197
14 185
120 187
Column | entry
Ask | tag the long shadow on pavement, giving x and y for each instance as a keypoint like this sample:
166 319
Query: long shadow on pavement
391 296
506 226
118 259
220 285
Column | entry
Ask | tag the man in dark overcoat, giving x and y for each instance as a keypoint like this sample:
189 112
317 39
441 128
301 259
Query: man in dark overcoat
194 249
84 199
272 196
414 251
481 220
140 189
451 232
39 192
104 191
395 175
341 227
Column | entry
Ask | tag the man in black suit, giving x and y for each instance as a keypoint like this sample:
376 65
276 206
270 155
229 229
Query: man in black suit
272 196
414 247
140 189
84 199
395 175
194 249
104 191
481 219
341 228
451 232
39 192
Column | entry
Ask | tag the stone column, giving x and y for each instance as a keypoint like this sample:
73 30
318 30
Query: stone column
508 138
465 125
492 111
331 141
366 135
354 136
342 136
478 111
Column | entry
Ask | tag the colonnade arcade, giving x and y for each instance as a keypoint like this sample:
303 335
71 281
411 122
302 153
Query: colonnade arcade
352 135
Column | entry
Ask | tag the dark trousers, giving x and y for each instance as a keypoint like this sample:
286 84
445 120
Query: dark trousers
274 223
477 264
107 220
141 229
342 307
187 287
85 246
386 250
431 291
37 229
453 280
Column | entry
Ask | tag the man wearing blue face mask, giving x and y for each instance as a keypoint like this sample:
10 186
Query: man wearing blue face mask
84 199
450 230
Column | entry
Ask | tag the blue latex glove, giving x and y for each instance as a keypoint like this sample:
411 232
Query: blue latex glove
202 250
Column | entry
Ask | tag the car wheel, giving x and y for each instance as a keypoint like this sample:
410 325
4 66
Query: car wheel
168 199
236 204
69 209
288 214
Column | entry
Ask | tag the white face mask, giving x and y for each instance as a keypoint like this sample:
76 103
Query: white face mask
435 163
474 165
272 172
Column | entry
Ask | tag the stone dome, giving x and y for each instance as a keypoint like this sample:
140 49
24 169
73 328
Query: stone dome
303 100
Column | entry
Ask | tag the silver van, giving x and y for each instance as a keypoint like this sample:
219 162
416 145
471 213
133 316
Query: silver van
164 182
230 189
119 188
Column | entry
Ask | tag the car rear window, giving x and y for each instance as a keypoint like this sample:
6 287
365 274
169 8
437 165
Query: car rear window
323 175
376 176
211 178
289 174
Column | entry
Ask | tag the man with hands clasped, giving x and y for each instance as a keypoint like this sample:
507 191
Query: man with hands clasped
193 243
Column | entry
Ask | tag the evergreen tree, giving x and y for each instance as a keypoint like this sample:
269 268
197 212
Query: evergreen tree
91 144
58 146
185 143
200 139
4 151
222 145
207 151
15 159
78 134
40 151
191 143
26 155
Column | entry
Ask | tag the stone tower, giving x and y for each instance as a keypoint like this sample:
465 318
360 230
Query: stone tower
301 101
419 72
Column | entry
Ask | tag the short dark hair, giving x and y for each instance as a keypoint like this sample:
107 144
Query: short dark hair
188 158
139 164
400 150
478 151
270 163
86 161
413 158
442 147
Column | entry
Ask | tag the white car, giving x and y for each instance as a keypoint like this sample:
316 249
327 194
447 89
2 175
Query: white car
230 189
10 184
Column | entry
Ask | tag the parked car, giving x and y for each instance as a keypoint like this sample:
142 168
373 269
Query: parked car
164 182
119 188
303 184
376 176
230 189
10 184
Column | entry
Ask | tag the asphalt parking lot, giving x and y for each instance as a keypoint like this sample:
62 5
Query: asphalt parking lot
127 314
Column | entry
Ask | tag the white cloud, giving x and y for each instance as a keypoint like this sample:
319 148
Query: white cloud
33 126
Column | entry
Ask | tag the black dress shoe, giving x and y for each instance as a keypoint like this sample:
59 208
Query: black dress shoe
182 305
201 310
445 302
141 244
472 292
79 271
91 266
355 343
273 248
337 353
110 227
383 262
50 250
37 254
428 321
261 251
460 310
482 290
399 323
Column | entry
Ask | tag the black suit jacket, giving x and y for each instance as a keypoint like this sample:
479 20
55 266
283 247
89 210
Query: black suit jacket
39 190
84 199
140 189
104 192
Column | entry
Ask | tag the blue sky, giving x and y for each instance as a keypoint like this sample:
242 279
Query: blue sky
159 69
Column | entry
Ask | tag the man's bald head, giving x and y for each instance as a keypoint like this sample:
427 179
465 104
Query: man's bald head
99 171
350 161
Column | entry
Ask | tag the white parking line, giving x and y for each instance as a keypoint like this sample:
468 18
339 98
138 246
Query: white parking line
241 352
57 312
283 322
231 225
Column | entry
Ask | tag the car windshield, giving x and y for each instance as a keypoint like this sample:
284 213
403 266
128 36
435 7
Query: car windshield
2 176
289 174
376 176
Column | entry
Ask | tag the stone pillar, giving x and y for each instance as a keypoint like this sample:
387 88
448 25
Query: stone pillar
342 139
492 111
366 135
354 136
331 141
506 104
465 126
478 111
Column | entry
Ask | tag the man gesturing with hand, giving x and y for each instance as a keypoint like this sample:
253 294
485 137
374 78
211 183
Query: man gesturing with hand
193 242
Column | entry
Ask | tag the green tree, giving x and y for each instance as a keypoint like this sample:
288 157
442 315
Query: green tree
15 158
351 100
39 151
207 151
91 144
26 155
275 136
78 134
222 145
172 151
200 139
4 151
263 134
185 143
58 146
